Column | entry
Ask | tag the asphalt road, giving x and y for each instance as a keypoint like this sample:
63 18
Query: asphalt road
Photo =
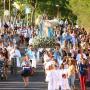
15 82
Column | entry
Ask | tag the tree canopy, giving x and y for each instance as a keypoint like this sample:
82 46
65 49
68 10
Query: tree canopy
71 9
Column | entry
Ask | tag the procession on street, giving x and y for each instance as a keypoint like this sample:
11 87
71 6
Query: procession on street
67 58
44 45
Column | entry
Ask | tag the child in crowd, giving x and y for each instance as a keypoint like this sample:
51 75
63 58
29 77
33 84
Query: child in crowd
52 78
63 72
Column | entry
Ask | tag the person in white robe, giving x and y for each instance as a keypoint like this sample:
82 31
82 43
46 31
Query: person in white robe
18 55
64 80
52 78
15 53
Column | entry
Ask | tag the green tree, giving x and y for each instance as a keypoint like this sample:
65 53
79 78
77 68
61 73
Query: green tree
81 8
71 9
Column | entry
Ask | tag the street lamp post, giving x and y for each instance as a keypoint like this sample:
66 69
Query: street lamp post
4 9
27 19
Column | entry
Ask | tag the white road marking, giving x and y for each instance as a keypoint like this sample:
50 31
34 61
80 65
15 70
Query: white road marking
19 88
21 82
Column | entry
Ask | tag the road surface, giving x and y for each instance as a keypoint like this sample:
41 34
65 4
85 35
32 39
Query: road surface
37 82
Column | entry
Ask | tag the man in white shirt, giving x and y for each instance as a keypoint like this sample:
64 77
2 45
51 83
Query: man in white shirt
61 22
10 49
80 55
15 56
30 41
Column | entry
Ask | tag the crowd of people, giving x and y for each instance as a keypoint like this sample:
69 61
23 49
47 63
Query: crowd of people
70 57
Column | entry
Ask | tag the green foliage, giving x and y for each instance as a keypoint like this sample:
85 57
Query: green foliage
44 6
71 9
81 8
50 7
1 8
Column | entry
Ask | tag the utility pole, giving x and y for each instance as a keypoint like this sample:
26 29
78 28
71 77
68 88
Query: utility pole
10 10
9 6
57 10
4 5
27 19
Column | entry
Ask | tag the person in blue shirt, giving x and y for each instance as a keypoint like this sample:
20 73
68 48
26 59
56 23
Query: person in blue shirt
58 54
68 38
83 73
32 56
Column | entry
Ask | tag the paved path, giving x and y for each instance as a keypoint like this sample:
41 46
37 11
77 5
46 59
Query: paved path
15 82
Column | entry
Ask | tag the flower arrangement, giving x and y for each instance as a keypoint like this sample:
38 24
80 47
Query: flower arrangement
43 42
